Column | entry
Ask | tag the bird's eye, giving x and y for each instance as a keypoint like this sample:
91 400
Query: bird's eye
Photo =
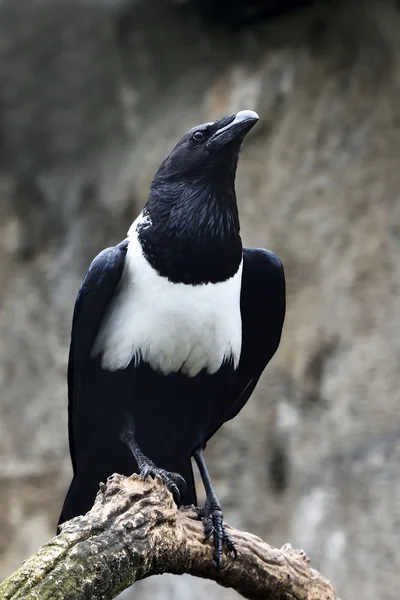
198 136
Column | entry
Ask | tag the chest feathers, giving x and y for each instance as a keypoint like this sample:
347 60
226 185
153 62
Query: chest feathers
171 326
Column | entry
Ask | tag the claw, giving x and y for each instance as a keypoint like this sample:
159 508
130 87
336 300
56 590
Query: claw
180 482
213 523
145 472
173 481
230 545
173 488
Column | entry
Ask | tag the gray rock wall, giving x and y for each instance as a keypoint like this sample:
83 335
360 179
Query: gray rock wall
92 96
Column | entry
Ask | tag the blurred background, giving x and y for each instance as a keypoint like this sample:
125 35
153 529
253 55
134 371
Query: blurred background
93 94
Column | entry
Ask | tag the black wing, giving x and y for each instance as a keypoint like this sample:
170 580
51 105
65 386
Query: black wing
94 295
263 307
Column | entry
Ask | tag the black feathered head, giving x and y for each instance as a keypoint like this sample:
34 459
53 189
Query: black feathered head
209 150
191 232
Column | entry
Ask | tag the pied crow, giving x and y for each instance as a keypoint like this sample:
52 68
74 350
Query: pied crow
172 329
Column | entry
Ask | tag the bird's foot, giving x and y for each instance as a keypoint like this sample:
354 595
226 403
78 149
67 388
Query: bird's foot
213 522
173 481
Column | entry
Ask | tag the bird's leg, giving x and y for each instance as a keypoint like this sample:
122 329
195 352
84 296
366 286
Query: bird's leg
211 514
174 482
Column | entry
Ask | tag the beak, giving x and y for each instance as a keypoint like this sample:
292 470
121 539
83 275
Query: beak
233 127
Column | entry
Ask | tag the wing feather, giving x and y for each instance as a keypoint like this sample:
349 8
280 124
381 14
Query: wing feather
263 307
95 293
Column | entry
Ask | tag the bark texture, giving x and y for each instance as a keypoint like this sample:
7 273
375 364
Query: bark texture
135 530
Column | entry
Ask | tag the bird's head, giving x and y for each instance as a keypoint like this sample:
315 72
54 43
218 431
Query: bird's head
189 229
208 152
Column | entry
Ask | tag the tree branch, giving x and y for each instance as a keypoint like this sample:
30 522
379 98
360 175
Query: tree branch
134 530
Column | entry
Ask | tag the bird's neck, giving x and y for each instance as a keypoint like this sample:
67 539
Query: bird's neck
192 237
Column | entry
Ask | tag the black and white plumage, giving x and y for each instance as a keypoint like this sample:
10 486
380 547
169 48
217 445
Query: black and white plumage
172 329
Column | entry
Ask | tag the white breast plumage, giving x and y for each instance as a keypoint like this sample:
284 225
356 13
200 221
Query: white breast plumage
171 326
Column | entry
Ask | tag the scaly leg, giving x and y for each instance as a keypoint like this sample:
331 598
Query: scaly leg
211 514
174 482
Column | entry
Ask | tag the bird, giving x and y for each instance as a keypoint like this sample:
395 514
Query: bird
171 330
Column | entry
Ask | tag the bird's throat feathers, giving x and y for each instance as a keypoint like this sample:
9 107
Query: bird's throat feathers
190 233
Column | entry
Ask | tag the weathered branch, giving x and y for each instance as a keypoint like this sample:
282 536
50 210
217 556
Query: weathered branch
134 530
